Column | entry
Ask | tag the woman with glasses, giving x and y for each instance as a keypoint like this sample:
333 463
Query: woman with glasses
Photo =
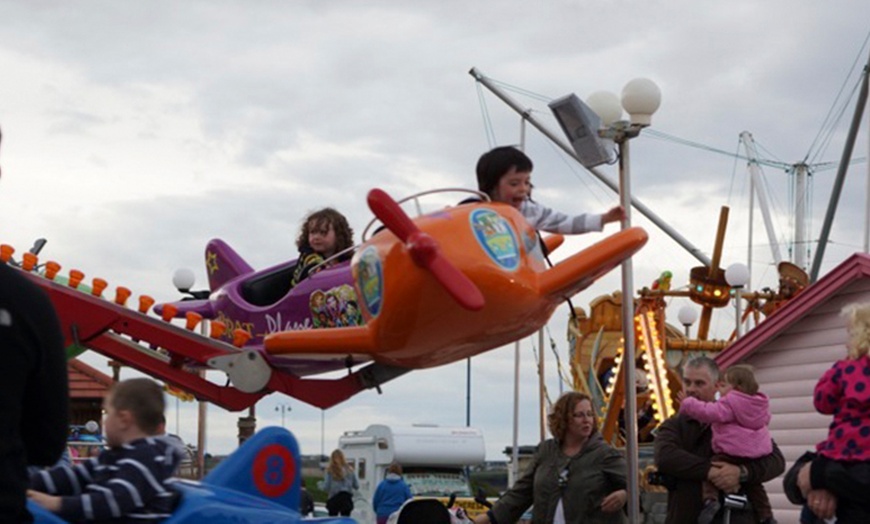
574 477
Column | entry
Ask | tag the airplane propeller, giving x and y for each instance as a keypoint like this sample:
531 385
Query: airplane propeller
425 251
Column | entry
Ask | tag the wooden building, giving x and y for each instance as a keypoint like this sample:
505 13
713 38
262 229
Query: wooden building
87 388
790 351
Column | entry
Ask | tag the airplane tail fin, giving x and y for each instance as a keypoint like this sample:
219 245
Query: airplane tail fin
222 263
267 465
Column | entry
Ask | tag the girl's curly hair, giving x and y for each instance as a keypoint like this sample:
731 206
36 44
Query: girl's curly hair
858 324
322 218
562 412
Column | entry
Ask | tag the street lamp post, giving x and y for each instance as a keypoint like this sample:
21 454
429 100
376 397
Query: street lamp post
283 408
183 279
737 275
640 99
687 316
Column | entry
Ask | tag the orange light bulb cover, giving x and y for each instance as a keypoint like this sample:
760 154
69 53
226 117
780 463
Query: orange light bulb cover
145 303
240 336
193 319
169 312
75 278
51 269
121 295
217 329
29 261
98 286
6 252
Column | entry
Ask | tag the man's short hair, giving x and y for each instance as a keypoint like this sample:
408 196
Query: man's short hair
143 398
702 361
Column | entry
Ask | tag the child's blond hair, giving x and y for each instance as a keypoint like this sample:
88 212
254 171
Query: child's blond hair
858 325
742 378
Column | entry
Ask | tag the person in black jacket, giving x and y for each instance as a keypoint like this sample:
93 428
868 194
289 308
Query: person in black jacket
33 389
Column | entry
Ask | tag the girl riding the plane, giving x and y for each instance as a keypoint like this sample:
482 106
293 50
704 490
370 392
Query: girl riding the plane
324 233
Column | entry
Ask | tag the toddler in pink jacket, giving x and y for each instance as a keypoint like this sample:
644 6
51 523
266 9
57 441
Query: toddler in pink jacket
739 423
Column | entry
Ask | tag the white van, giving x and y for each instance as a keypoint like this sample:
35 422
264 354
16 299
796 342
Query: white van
433 459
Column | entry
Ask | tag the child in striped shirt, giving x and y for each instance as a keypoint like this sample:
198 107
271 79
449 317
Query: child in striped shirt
505 174
128 482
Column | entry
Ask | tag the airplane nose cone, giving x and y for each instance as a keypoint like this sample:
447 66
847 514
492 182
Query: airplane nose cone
422 247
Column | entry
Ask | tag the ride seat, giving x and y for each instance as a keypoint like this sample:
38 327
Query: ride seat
268 288
424 511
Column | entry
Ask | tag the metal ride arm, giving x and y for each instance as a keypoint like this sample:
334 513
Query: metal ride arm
176 355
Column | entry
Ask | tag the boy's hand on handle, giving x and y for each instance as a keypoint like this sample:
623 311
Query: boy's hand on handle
614 502
49 502
614 214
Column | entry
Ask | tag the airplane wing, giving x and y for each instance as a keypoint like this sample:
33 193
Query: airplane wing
580 270
335 341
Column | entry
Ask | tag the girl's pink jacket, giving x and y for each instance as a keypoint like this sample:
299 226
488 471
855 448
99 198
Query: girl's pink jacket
739 423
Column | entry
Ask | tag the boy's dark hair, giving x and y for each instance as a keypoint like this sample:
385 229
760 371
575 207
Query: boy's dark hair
143 398
324 217
496 163
742 378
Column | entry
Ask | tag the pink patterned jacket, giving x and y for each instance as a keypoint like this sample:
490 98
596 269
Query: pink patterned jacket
844 391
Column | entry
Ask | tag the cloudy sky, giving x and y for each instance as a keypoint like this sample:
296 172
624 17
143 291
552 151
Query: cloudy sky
136 131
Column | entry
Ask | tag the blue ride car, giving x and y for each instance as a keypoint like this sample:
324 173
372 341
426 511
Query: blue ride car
259 483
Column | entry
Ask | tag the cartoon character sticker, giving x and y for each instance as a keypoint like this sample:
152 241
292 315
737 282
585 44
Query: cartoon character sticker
370 280
497 238
335 307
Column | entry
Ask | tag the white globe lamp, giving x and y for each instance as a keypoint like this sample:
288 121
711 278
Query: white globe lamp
183 279
606 105
687 315
641 98
737 275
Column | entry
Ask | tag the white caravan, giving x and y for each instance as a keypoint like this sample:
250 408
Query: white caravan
433 459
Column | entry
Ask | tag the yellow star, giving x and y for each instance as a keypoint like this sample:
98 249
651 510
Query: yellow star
211 262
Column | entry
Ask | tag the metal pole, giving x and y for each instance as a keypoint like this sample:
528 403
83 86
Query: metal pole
201 418
751 225
737 309
628 334
841 175
800 215
541 387
514 449
468 392
867 202
561 144
755 176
